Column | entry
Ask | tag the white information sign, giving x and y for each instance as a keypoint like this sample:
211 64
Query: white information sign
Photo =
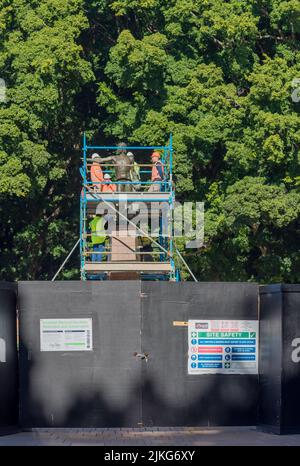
66 335
223 346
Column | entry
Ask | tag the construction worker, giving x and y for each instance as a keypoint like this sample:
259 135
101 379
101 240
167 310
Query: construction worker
147 248
109 187
96 173
157 172
122 165
134 172
98 236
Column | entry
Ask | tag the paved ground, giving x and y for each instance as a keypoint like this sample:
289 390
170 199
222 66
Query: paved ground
173 436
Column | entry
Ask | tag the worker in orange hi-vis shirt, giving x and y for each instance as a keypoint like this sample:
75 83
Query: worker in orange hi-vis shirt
96 173
157 172
109 187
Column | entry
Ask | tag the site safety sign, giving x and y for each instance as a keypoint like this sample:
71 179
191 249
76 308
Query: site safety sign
223 346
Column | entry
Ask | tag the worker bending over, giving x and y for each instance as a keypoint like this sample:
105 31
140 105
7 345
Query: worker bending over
108 186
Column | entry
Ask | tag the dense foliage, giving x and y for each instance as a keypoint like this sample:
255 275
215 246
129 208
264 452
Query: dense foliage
218 74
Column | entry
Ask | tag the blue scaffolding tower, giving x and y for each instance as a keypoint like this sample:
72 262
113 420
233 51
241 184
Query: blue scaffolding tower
161 265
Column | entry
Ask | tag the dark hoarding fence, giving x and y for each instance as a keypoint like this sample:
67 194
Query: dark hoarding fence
279 408
216 394
9 403
77 363
105 354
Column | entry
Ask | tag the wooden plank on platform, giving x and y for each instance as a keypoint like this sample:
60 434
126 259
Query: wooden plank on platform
131 266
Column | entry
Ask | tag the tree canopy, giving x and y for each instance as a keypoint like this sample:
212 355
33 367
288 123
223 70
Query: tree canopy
217 74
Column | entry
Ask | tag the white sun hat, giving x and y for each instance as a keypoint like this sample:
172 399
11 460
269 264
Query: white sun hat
95 156
107 176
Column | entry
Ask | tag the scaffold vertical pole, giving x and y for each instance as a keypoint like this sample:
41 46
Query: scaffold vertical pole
83 212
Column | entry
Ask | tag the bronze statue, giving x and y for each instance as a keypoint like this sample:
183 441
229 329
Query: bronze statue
123 166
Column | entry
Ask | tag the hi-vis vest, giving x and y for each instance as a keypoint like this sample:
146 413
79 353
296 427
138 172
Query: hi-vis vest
96 173
156 174
109 188
97 230
135 175
135 172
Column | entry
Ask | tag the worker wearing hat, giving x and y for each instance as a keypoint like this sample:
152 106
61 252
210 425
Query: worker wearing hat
96 173
108 186
157 172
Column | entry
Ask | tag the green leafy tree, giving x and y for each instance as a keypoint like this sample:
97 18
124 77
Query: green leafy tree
218 75
44 68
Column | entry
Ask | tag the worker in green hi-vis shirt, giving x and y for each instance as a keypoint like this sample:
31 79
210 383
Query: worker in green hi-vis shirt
98 236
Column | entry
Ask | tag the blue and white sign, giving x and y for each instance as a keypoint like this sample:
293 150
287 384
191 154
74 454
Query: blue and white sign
223 346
